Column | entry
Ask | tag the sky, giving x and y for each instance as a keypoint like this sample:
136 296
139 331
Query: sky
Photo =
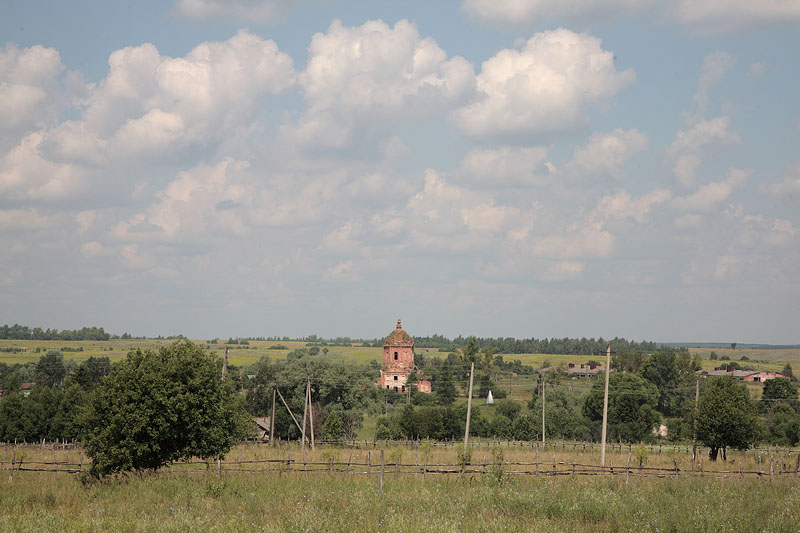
523 168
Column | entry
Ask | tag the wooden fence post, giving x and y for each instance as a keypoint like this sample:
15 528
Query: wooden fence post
382 469
628 468
13 458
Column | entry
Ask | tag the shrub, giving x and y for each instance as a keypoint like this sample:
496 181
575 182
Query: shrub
156 407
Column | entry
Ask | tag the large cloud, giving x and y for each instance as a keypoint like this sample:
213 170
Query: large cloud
514 12
542 86
691 146
715 66
375 71
607 153
30 93
151 104
248 10
715 15
512 165
622 205
789 186
703 16
710 195
27 176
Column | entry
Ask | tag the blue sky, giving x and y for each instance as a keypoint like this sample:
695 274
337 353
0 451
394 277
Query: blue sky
499 168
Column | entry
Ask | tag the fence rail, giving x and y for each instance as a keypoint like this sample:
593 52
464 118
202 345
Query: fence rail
475 443
781 470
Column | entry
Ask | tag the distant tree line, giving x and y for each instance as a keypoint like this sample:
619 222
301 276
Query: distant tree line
18 332
510 345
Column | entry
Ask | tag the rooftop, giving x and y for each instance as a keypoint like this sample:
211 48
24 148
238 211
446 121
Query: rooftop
399 337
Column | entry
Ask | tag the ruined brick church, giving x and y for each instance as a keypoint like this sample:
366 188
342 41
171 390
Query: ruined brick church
398 362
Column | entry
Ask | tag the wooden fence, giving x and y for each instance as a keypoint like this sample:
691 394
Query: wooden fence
777 469
475 443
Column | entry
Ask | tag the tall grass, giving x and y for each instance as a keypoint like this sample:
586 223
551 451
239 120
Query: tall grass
320 502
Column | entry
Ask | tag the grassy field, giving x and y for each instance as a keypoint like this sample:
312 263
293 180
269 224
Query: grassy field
318 501
242 355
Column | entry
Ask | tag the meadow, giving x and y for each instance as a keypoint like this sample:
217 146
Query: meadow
243 355
195 497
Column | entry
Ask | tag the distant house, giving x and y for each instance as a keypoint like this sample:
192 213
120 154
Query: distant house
263 424
27 388
756 376
583 371
761 377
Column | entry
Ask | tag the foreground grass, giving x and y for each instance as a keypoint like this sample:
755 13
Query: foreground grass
319 502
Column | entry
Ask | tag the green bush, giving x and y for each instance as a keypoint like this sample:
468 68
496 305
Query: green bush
156 407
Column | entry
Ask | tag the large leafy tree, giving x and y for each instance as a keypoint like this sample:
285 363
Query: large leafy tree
782 425
777 391
444 390
563 417
632 403
156 407
50 370
91 372
346 387
726 417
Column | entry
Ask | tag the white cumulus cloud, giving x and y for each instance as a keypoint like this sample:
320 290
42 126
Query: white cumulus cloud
722 15
248 10
150 104
376 70
542 86
712 194
622 205
507 164
691 146
607 153
715 66
513 12
30 93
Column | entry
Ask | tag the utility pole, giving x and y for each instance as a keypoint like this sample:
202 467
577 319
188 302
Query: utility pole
605 410
296 423
305 416
310 413
272 418
543 409
225 364
469 406
694 419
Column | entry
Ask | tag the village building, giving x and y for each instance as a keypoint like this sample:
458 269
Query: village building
742 375
578 370
398 362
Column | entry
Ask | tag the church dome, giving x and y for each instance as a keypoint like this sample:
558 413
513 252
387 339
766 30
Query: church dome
399 337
